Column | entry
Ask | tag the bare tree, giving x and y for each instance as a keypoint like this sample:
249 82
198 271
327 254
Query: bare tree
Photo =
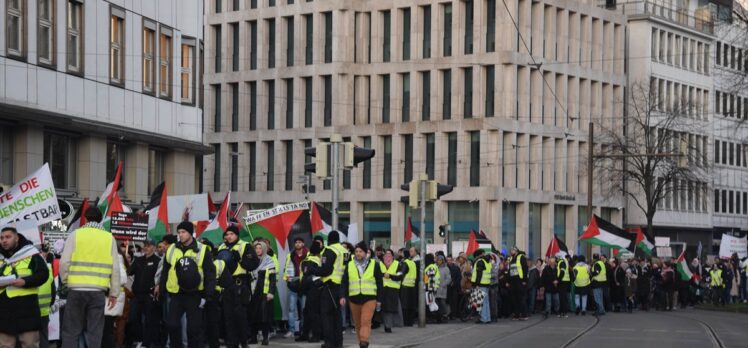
661 150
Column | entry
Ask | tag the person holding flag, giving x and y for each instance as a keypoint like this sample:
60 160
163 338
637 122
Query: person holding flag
481 279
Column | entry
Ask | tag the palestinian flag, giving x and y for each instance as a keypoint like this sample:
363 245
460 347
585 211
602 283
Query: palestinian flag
411 234
106 197
605 234
202 225
214 231
280 226
321 225
682 266
479 240
158 214
472 246
79 219
557 248
114 206
643 241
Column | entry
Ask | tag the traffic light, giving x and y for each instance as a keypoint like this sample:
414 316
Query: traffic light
442 230
442 190
319 166
353 155
412 198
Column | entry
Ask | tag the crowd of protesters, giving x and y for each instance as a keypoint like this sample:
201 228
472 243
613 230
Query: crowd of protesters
181 291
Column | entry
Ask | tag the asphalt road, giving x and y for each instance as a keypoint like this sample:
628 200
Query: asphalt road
677 329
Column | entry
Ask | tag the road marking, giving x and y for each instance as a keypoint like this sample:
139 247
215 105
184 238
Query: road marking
654 330
688 331
626 330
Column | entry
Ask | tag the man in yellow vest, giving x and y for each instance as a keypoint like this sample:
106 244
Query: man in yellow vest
87 267
189 276
408 290
309 286
235 299
334 258
717 284
362 289
599 283
518 283
481 278
19 303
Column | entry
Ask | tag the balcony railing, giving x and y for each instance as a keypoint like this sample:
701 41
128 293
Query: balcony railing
702 21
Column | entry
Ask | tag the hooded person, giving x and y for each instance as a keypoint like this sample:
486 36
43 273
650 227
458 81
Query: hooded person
309 286
263 286
20 317
334 259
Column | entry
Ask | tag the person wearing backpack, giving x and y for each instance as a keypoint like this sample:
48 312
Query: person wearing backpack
189 276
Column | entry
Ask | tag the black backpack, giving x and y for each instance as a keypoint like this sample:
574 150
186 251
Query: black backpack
188 274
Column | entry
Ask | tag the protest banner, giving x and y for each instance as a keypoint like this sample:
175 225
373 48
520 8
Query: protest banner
129 226
33 198
188 208
733 245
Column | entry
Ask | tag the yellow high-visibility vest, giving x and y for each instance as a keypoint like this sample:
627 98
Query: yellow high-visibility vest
364 284
600 277
409 280
583 276
266 282
314 259
716 277
338 270
563 265
91 263
437 276
240 246
220 266
45 293
173 254
485 278
517 262
22 269
392 270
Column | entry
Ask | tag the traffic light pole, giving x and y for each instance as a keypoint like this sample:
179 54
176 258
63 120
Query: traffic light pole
422 292
335 142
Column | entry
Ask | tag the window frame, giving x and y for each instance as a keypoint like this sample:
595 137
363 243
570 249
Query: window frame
152 27
120 14
79 33
166 32
191 43
52 42
21 13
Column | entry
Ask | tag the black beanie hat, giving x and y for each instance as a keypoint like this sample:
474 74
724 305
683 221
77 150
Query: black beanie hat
333 237
187 226
362 245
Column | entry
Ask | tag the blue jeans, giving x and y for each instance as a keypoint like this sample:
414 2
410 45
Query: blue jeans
551 300
581 301
485 311
295 311
597 293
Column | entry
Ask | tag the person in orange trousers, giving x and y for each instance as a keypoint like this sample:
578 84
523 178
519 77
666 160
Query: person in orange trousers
361 286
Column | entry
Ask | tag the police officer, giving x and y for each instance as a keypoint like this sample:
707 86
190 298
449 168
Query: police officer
309 285
144 307
564 282
599 283
235 297
334 258
187 292
481 278
408 292
581 277
517 283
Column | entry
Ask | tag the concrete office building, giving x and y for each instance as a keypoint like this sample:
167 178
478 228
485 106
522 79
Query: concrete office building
446 88
85 84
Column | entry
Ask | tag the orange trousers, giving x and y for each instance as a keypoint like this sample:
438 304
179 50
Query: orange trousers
362 314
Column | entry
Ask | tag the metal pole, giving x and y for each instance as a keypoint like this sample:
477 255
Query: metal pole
422 290
335 162
590 156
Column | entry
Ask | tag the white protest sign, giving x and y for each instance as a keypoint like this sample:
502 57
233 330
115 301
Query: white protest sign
730 245
33 198
188 208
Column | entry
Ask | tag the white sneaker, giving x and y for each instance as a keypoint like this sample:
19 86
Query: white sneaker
288 334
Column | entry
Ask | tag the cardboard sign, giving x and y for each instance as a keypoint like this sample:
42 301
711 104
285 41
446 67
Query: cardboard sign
33 198
730 245
129 226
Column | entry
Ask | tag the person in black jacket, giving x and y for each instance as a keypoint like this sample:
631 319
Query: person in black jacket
518 273
310 286
187 301
331 272
144 307
261 312
549 281
455 288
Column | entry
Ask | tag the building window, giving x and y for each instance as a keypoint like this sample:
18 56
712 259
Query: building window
430 155
328 37
217 108
164 62
288 144
508 225
252 166
426 97
308 95
155 168
117 46
115 153
426 32
46 32
149 51
469 27
6 156
490 89
385 98
219 6
187 71
387 36
217 48
15 37
406 34
234 46
452 158
61 151
468 88
309 40
216 167
406 98
234 107
447 100
271 43
289 41
328 100
447 43
74 36
271 166
367 166
289 103
253 105
270 84
408 157
491 25
463 216
253 45
475 158
534 226
387 168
